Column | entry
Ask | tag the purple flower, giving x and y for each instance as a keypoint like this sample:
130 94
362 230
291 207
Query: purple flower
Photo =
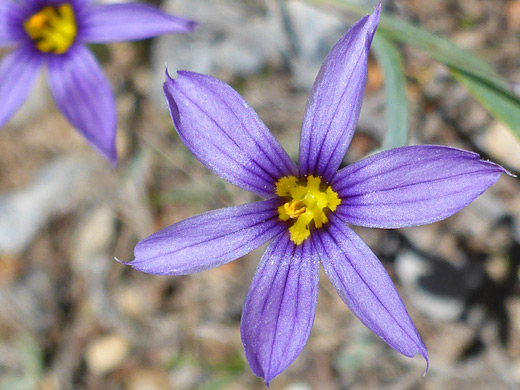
55 32
308 208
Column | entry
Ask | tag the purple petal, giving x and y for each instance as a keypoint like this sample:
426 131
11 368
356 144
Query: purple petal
129 22
411 186
80 3
83 95
366 288
10 33
18 73
208 240
225 134
335 101
280 307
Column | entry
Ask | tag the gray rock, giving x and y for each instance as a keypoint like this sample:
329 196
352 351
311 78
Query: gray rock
312 33
24 212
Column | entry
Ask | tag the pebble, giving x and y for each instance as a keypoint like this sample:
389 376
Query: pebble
149 379
298 386
106 353
502 144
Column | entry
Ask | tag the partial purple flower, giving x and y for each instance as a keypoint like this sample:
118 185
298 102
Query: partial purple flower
55 32
308 207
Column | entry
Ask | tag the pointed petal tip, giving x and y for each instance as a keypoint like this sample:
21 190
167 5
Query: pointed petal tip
377 11
168 86
373 20
122 261
370 23
421 351
424 353
494 166
179 74
167 77
113 159
192 25
136 264
425 356
267 377
110 155
500 168
141 265
259 371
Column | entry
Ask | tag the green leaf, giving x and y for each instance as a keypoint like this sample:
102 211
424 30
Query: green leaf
502 105
397 114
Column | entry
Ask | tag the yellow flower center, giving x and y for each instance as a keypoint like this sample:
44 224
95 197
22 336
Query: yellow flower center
53 29
307 201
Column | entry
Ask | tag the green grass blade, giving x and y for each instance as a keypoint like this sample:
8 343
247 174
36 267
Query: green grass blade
397 113
502 105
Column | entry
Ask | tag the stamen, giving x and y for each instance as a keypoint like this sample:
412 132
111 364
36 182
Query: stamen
309 203
53 29
294 209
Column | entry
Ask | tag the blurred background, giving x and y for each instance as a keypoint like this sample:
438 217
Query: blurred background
71 317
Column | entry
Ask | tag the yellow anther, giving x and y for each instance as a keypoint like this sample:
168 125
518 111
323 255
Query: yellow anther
308 203
53 29
294 209
284 185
